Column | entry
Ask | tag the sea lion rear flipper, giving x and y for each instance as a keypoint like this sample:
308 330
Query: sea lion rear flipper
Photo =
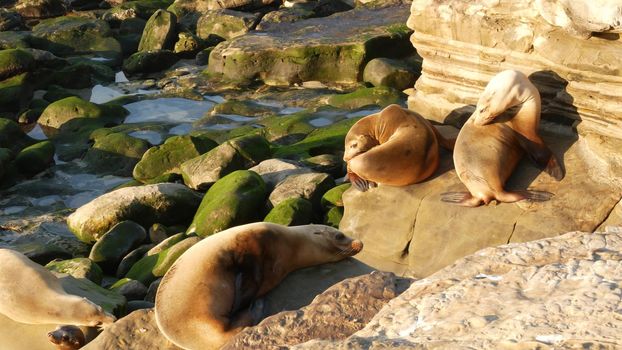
360 183
464 199
535 195
542 156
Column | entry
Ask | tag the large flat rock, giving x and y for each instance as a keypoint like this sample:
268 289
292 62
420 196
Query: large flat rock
329 49
408 230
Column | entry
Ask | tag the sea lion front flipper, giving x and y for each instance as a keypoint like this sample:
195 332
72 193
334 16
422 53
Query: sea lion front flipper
542 156
360 183
464 199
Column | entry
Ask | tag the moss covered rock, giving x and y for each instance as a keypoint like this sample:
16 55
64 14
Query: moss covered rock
310 186
5 158
131 258
332 198
188 45
288 128
168 157
149 61
14 40
166 203
291 212
63 111
332 164
116 154
333 216
12 136
159 32
136 9
78 268
226 24
150 267
246 108
379 96
15 92
397 74
235 199
36 158
235 154
112 246
14 62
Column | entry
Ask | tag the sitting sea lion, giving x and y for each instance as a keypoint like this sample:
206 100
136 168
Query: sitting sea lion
491 143
396 147
210 293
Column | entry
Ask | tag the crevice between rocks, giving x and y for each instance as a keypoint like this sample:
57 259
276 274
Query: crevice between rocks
412 227
608 214
513 229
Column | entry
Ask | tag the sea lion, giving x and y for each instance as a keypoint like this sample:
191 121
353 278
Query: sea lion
396 147
67 337
31 294
491 143
210 293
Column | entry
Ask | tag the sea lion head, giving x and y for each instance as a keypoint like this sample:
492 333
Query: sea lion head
356 144
334 241
98 317
67 337
505 90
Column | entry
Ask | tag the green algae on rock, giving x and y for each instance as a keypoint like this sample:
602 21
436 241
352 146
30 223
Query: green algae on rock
36 158
235 199
311 186
149 61
389 72
115 154
63 111
5 158
332 198
78 268
130 259
137 8
112 246
379 96
159 32
12 136
333 217
15 92
14 62
291 212
226 24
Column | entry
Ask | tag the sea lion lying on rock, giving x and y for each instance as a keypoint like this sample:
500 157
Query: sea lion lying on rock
491 143
210 293
396 147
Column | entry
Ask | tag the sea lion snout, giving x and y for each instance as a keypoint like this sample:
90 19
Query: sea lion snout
357 246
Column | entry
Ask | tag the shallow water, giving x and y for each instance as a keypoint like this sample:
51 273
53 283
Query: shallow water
167 110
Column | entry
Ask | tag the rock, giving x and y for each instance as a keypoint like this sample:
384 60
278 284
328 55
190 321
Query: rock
332 198
138 329
135 9
420 223
388 72
55 93
167 243
6 156
465 43
78 268
559 292
284 15
332 164
112 246
15 93
247 108
202 6
81 74
66 110
233 200
159 32
236 154
165 203
333 217
288 53
153 289
379 3
36 158
71 35
42 252
130 289
380 96
109 301
226 24
157 233
10 20
291 212
335 314
274 171
12 136
115 154
150 267
131 258
14 40
188 45
149 62
168 157
40 8
202 58
14 62
311 186
287 129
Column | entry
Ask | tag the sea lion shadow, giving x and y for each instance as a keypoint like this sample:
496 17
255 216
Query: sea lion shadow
558 123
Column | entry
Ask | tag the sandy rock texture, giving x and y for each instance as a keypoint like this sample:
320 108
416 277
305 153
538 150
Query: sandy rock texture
570 49
558 293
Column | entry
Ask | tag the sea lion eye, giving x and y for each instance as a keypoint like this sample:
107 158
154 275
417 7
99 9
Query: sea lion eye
340 236
354 145
65 337
317 233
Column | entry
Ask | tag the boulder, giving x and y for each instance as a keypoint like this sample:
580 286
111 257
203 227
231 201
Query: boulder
159 32
15 93
149 61
310 186
291 53
381 96
202 6
130 289
115 154
14 62
287 129
465 43
235 199
40 8
165 203
226 24
236 154
14 40
389 72
6 156
274 171
131 258
167 243
332 164
168 157
189 45
291 212
10 20
12 136
556 293
333 217
284 15
135 9
68 109
247 108
332 198
36 158
78 268
113 245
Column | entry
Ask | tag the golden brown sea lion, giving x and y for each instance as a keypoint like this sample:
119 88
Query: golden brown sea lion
67 338
210 293
491 143
396 147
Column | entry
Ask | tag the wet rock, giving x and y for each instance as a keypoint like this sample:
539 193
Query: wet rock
81 74
291 212
332 164
333 217
135 9
64 111
389 72
131 258
15 93
287 129
379 96
5 159
14 62
239 153
338 312
202 58
78 268
36 158
10 20
167 243
226 24
112 246
159 32
108 300
134 305
235 199
130 289
138 329
157 233
115 154
14 40
311 186
72 35
289 53
42 252
40 8
12 136
274 171
150 267
246 108
165 203
332 198
153 289
55 93
168 157
189 45
149 62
